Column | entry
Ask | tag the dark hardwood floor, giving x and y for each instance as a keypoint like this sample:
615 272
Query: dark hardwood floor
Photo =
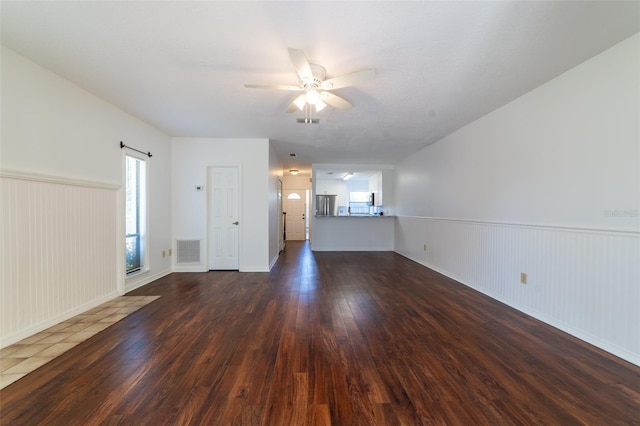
326 338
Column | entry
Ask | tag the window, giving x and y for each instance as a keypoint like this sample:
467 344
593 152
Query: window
359 203
135 213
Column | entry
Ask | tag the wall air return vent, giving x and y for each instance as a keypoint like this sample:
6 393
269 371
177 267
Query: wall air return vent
188 251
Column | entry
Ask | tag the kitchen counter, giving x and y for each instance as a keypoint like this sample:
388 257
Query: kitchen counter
353 233
356 216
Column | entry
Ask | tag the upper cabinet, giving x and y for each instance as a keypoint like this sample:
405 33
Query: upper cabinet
381 184
333 187
386 188
375 186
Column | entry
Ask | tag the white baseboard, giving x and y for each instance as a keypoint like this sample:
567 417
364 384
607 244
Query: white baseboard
254 269
37 328
274 260
144 280
200 268
190 268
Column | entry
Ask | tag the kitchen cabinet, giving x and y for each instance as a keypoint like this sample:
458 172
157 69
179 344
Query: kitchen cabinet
375 186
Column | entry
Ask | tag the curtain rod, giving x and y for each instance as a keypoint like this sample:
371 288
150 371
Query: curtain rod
122 145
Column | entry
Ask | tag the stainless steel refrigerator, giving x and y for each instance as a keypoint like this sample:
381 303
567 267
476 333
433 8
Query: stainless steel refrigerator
326 205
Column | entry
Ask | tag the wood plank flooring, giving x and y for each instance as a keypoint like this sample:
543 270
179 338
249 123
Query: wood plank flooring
326 338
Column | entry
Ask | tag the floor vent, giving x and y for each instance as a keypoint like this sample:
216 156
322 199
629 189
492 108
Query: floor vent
188 251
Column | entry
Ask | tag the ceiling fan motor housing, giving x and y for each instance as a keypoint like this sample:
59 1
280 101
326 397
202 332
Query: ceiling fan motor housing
319 74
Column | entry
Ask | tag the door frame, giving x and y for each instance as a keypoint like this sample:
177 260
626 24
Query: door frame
207 221
282 243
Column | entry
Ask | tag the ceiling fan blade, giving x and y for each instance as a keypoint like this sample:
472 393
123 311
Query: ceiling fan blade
348 79
292 108
274 87
301 64
335 101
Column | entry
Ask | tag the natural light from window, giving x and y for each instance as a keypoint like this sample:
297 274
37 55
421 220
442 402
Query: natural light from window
135 213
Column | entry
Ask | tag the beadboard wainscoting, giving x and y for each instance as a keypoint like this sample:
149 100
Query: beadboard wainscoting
585 282
59 250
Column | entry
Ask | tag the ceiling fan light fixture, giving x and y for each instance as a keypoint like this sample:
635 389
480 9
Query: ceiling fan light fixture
300 101
312 96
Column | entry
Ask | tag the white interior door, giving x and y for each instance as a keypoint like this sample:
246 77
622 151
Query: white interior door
295 206
223 196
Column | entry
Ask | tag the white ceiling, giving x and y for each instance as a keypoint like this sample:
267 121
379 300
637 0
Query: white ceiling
181 65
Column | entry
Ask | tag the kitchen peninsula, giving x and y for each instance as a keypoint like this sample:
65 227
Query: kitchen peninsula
353 233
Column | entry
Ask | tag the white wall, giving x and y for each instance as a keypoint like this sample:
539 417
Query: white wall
563 154
548 185
358 185
275 175
60 139
191 157
296 182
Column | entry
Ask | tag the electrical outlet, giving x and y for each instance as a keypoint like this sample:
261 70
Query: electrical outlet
169 252
163 254
425 247
523 277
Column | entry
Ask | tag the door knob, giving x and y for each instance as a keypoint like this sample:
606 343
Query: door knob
235 223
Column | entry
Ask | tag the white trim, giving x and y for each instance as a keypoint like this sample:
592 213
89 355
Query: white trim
144 279
146 255
50 322
37 177
195 267
551 227
254 269
120 242
273 261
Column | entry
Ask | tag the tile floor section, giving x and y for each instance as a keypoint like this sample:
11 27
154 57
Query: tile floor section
19 359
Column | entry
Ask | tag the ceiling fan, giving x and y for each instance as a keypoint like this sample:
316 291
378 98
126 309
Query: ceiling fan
316 90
